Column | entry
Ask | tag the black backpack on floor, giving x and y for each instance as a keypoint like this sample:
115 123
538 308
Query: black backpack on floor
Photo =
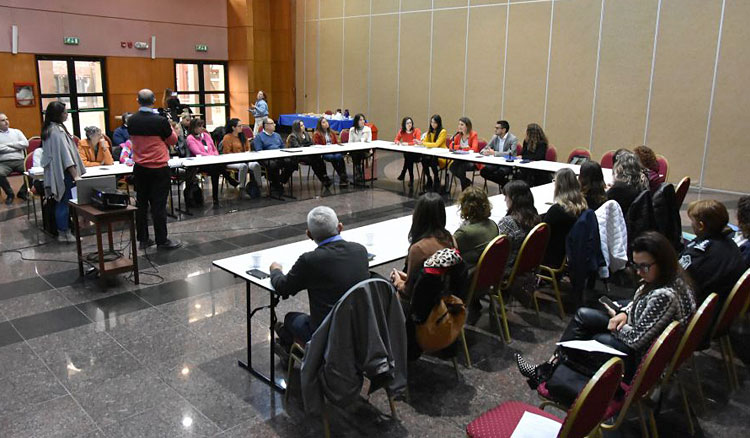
193 194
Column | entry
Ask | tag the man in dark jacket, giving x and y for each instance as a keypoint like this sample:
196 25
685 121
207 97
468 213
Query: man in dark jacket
327 273
712 259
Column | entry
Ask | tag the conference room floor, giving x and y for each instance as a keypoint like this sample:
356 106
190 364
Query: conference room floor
160 359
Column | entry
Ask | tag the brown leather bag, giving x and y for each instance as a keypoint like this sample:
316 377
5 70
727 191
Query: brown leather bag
443 325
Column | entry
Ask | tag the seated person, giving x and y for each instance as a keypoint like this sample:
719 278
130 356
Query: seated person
324 135
234 141
120 136
665 295
591 179
95 150
435 138
743 234
299 138
359 133
465 140
408 135
327 273
278 170
520 217
200 144
426 236
535 146
502 144
629 180
13 146
712 259
647 157
568 206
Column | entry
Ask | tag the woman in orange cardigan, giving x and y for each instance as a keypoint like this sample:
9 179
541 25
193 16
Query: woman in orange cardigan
95 150
408 135
464 140
325 135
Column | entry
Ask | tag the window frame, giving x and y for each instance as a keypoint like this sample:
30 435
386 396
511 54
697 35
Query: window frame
201 93
73 93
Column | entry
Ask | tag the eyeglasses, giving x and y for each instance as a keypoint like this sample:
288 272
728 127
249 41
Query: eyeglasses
643 267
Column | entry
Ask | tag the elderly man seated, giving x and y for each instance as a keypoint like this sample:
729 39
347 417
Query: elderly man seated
12 152
327 273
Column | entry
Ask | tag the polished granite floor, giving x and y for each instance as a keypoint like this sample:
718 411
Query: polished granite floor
83 358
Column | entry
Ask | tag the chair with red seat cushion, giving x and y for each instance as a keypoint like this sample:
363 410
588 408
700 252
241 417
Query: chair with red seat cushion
344 137
696 331
579 152
733 306
681 191
582 418
248 131
374 130
34 143
607 160
551 153
663 166
519 149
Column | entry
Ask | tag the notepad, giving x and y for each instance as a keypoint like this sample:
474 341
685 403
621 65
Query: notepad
535 426
292 151
592 346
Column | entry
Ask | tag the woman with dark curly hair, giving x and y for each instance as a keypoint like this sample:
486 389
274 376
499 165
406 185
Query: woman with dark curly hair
477 229
647 157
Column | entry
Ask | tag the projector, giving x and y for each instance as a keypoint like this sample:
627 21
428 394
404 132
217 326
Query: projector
109 200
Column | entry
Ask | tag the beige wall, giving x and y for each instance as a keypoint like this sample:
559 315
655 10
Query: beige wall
600 74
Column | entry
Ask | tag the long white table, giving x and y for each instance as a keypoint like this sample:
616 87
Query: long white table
387 240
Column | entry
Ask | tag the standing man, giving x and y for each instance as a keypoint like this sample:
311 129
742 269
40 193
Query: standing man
327 273
151 136
13 145
503 143
269 139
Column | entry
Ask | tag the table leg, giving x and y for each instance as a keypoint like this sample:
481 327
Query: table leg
248 366
134 249
99 248
109 237
78 242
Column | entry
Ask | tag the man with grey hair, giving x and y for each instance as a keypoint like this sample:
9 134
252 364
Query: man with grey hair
327 273
13 145
151 136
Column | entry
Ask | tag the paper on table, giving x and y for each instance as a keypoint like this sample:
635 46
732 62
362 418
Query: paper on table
536 426
591 345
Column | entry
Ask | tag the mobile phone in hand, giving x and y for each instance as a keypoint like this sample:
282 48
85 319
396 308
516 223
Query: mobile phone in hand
609 303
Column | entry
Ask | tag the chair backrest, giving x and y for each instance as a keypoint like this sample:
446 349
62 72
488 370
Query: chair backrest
344 136
27 162
482 144
663 166
34 143
551 153
532 251
732 307
681 191
491 266
374 130
519 148
589 407
248 131
651 367
329 112
579 152
76 140
607 160
694 333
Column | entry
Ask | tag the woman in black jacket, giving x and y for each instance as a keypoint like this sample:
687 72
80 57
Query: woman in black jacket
299 138
664 295
535 149
569 204
629 178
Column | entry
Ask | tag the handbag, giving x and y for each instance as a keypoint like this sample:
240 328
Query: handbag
443 324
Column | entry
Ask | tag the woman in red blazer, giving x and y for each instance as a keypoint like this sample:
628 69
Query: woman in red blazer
464 140
324 135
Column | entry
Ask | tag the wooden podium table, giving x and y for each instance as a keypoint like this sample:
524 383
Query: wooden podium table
101 218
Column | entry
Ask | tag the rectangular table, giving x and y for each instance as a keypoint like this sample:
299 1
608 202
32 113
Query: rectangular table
388 240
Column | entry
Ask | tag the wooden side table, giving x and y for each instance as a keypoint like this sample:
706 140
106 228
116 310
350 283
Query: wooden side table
102 218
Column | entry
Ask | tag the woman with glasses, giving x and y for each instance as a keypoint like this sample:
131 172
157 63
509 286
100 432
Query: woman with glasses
664 295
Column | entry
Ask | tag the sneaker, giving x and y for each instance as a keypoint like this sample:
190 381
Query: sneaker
146 243
65 237
169 244
9 199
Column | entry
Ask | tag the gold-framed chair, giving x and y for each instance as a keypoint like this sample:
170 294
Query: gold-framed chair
488 275
681 191
583 417
551 275
696 331
529 258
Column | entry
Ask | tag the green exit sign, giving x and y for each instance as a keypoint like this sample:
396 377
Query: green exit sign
71 41
201 48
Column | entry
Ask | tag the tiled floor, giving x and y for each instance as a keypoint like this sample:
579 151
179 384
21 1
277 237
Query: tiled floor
84 358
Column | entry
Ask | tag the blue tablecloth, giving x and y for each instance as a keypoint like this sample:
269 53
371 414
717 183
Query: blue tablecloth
310 121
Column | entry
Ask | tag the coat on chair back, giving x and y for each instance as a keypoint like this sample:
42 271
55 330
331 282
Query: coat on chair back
364 335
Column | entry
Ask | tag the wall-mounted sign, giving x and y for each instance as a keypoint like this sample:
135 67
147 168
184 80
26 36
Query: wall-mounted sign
201 48
71 41
140 45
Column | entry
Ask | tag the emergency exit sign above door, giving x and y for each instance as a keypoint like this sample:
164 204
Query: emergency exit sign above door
71 41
